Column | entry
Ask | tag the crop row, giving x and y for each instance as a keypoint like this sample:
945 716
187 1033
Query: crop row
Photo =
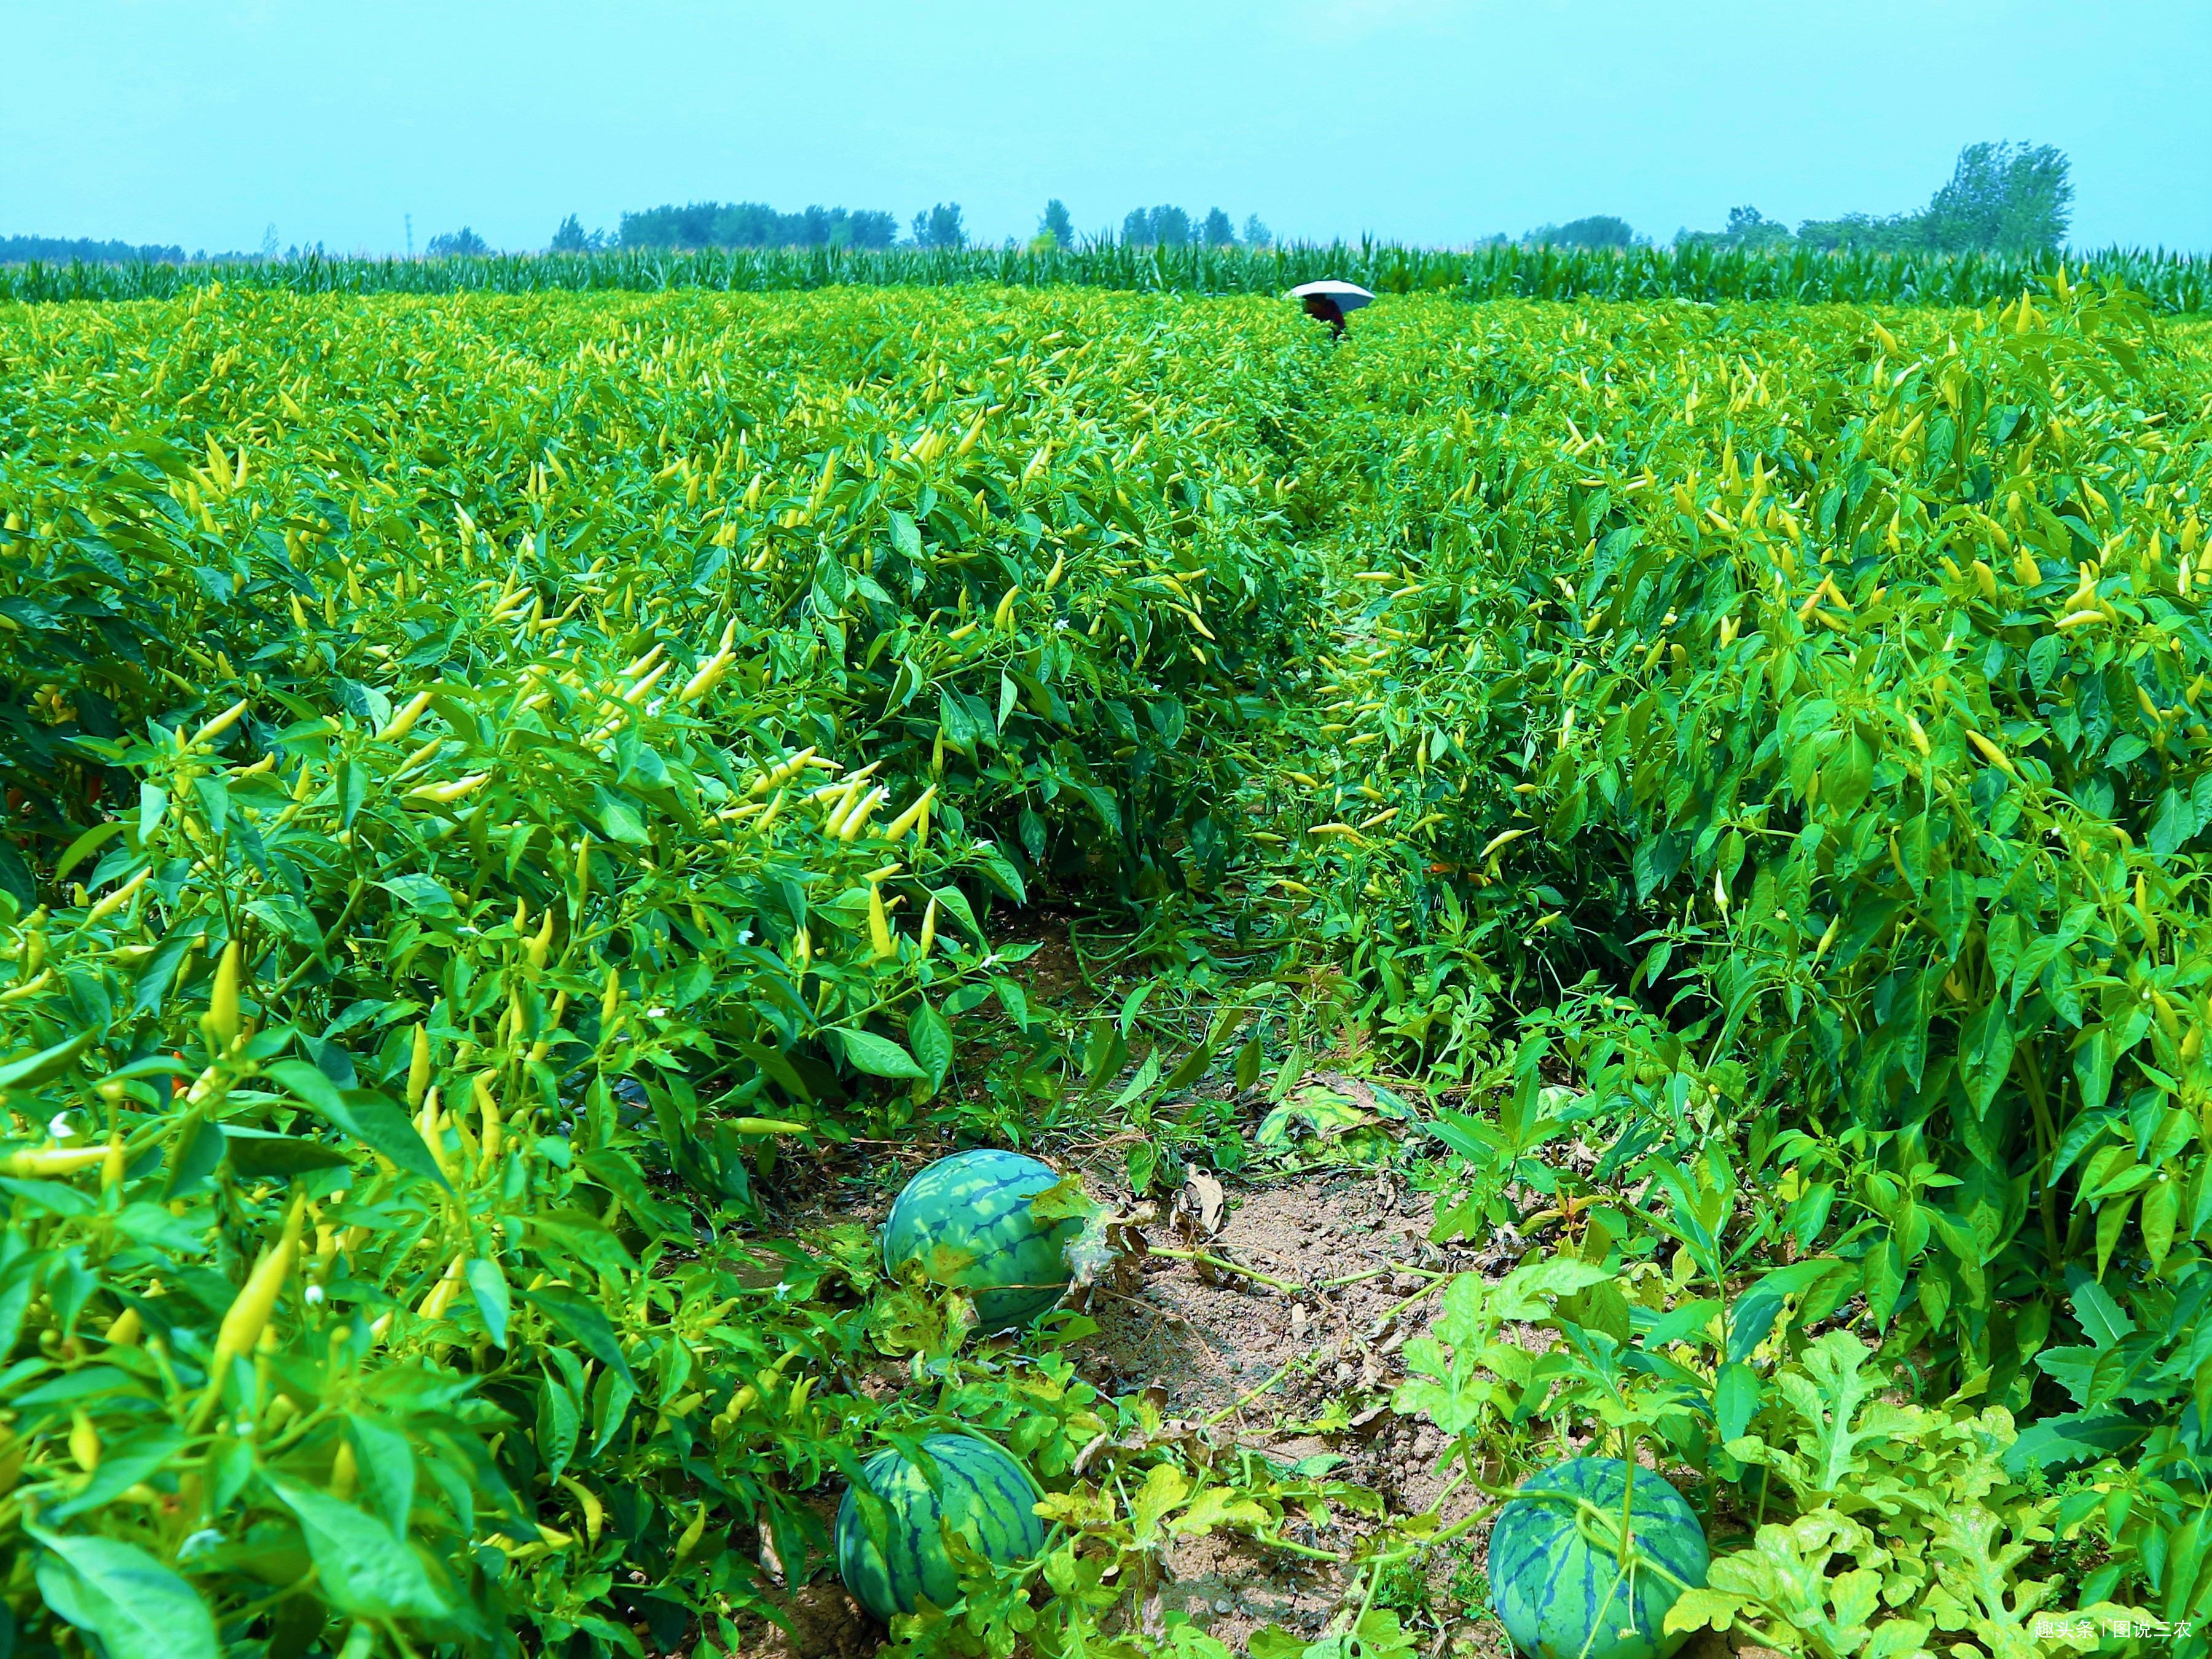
483 776
1815 721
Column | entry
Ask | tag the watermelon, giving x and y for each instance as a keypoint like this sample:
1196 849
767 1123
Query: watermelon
1559 1592
966 1219
987 1498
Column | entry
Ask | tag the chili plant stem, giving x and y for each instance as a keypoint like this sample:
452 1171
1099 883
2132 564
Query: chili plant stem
1282 1284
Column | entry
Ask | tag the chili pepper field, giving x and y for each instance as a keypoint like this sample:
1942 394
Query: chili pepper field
529 815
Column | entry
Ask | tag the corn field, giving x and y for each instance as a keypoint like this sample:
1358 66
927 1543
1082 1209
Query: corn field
2174 283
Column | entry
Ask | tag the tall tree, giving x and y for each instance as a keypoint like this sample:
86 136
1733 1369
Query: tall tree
939 227
756 224
456 244
2006 198
1598 230
572 238
1218 232
1748 227
1159 226
1057 224
1256 234
871 229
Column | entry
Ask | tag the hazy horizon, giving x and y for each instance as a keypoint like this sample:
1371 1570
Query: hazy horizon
1433 122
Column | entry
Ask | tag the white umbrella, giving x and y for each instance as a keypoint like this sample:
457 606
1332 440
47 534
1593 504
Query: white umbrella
1349 296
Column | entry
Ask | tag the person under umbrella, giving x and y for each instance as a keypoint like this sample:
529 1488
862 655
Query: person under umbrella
1327 302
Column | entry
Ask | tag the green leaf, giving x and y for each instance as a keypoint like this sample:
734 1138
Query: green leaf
48 1063
1735 1401
1064 1200
1753 1316
2111 1218
582 1321
1140 1085
1001 874
1013 999
122 1465
954 903
2092 1065
425 895
931 1037
2173 825
1103 1055
362 1570
1833 1398
1520 1294
368 1117
2103 1320
258 1154
1249 1059
388 1468
879 1056
88 842
610 1397
620 819
1327 1114
152 1224
139 1608
495 1300
559 1423
582 1237
1143 1162
1165 1486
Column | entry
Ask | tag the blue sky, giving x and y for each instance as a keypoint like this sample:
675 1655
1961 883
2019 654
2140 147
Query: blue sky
199 122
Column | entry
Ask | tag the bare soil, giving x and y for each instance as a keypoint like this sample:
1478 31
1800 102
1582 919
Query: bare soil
1265 1367
1296 1376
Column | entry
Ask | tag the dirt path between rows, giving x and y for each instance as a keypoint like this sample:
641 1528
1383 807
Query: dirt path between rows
1210 1340
1301 1377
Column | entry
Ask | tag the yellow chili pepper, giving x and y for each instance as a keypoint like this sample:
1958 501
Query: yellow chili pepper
116 900
83 1440
222 1018
1990 752
44 1163
879 928
595 1513
221 724
250 1310
692 1534
906 820
442 1294
418 1069
856 819
403 722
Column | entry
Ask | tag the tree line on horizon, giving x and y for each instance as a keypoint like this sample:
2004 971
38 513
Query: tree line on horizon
2000 197
940 225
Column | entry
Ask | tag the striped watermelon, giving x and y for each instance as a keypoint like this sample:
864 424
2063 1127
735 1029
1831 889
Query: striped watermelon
966 1219
1556 1588
987 1498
